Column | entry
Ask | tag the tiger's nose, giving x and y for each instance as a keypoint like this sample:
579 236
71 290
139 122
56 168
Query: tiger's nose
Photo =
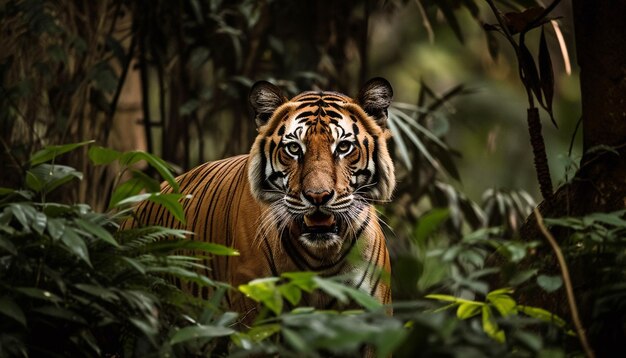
318 198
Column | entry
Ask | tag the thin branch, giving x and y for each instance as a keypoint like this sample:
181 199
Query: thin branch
426 22
571 300
120 85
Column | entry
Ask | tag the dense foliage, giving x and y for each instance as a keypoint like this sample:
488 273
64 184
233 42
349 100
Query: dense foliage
74 286
465 284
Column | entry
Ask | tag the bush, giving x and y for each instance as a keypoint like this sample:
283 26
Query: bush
73 286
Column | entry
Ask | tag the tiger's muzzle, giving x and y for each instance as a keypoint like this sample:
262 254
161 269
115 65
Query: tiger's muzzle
319 225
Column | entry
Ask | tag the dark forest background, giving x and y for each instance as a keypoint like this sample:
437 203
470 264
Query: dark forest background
500 107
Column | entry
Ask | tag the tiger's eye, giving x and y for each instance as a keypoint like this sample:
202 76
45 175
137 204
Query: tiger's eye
293 148
344 147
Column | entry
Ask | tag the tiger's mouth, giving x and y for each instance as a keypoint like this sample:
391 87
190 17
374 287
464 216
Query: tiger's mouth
319 223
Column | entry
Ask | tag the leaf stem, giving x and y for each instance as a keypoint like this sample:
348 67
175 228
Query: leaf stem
571 300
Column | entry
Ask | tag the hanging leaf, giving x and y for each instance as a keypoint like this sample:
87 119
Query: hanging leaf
76 245
9 308
490 327
428 223
492 45
97 231
448 13
546 74
472 7
518 22
530 76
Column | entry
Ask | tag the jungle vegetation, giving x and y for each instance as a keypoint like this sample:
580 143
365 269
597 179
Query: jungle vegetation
507 232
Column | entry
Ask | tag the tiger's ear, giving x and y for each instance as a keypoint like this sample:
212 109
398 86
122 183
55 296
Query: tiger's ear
264 98
375 97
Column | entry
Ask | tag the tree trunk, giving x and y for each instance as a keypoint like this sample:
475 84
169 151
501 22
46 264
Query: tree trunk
600 184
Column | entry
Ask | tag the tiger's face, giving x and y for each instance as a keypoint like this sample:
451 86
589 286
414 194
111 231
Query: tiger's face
321 159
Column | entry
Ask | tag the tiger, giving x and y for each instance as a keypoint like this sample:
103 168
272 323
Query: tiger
301 200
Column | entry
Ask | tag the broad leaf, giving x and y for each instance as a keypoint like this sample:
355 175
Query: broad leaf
157 163
97 231
467 310
100 155
549 283
53 151
169 200
428 223
9 308
76 245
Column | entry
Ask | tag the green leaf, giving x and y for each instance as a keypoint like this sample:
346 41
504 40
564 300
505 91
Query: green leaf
295 340
195 332
428 223
490 327
47 177
530 76
7 191
302 279
549 283
542 314
157 163
185 244
97 231
19 213
397 139
38 294
56 227
60 312
501 291
146 327
467 310
551 353
546 74
99 292
522 276
448 298
53 151
264 291
614 218
530 340
127 189
364 299
135 264
100 155
7 245
39 222
9 308
342 292
291 292
150 184
185 274
334 289
76 245
503 303
260 333
168 200
448 14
